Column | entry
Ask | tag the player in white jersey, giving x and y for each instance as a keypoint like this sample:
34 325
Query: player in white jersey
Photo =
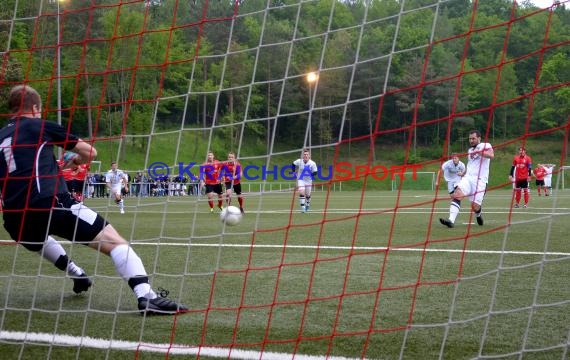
453 169
116 179
306 170
474 182
548 178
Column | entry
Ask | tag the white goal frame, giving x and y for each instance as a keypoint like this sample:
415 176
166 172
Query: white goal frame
562 174
408 175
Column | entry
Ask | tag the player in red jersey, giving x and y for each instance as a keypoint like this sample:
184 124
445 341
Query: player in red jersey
68 175
79 181
521 172
539 174
232 172
210 176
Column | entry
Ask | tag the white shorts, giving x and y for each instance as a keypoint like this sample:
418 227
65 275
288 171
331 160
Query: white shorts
473 188
305 186
116 189
548 181
451 186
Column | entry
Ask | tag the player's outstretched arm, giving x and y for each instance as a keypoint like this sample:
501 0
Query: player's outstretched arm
85 151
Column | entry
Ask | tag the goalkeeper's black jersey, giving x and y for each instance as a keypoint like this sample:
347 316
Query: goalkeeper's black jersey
28 167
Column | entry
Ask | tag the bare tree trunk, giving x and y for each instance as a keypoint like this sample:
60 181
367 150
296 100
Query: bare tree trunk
204 105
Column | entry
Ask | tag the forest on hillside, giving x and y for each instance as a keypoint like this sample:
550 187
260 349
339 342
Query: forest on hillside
383 65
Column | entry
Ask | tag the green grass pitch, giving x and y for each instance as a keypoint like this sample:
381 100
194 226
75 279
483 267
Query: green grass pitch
375 276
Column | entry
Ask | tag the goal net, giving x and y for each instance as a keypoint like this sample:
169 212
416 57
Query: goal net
355 270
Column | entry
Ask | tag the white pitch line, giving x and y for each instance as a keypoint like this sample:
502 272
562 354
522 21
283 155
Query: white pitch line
313 247
366 248
174 349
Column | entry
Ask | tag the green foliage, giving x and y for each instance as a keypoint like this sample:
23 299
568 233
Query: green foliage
142 70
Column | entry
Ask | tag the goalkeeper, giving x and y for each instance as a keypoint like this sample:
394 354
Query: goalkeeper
37 203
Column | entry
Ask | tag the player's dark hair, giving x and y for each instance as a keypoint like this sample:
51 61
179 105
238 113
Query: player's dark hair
476 132
22 98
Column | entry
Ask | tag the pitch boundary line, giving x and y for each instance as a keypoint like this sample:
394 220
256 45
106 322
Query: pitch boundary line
173 349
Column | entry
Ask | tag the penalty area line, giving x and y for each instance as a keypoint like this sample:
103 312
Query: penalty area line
174 349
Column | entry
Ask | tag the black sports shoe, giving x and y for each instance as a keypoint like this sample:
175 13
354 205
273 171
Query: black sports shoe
479 220
241 210
446 222
160 306
81 283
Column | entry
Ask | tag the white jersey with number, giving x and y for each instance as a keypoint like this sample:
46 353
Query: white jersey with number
305 170
477 165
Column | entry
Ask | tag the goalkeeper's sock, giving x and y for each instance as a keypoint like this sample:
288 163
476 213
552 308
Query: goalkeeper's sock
130 267
74 270
144 290
53 252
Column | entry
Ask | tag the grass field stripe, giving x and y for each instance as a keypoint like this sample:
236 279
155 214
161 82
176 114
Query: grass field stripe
174 349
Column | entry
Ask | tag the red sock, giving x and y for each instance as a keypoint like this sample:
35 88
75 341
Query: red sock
518 196
240 201
526 196
211 203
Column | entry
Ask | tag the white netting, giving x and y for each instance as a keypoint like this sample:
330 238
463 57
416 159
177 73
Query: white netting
368 271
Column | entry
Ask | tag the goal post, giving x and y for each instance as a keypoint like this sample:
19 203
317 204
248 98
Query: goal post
420 180
564 175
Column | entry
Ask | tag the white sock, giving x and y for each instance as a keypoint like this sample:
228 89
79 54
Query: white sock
453 211
74 270
52 250
127 262
144 290
129 265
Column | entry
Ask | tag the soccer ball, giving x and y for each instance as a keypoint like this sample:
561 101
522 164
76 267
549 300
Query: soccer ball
231 216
